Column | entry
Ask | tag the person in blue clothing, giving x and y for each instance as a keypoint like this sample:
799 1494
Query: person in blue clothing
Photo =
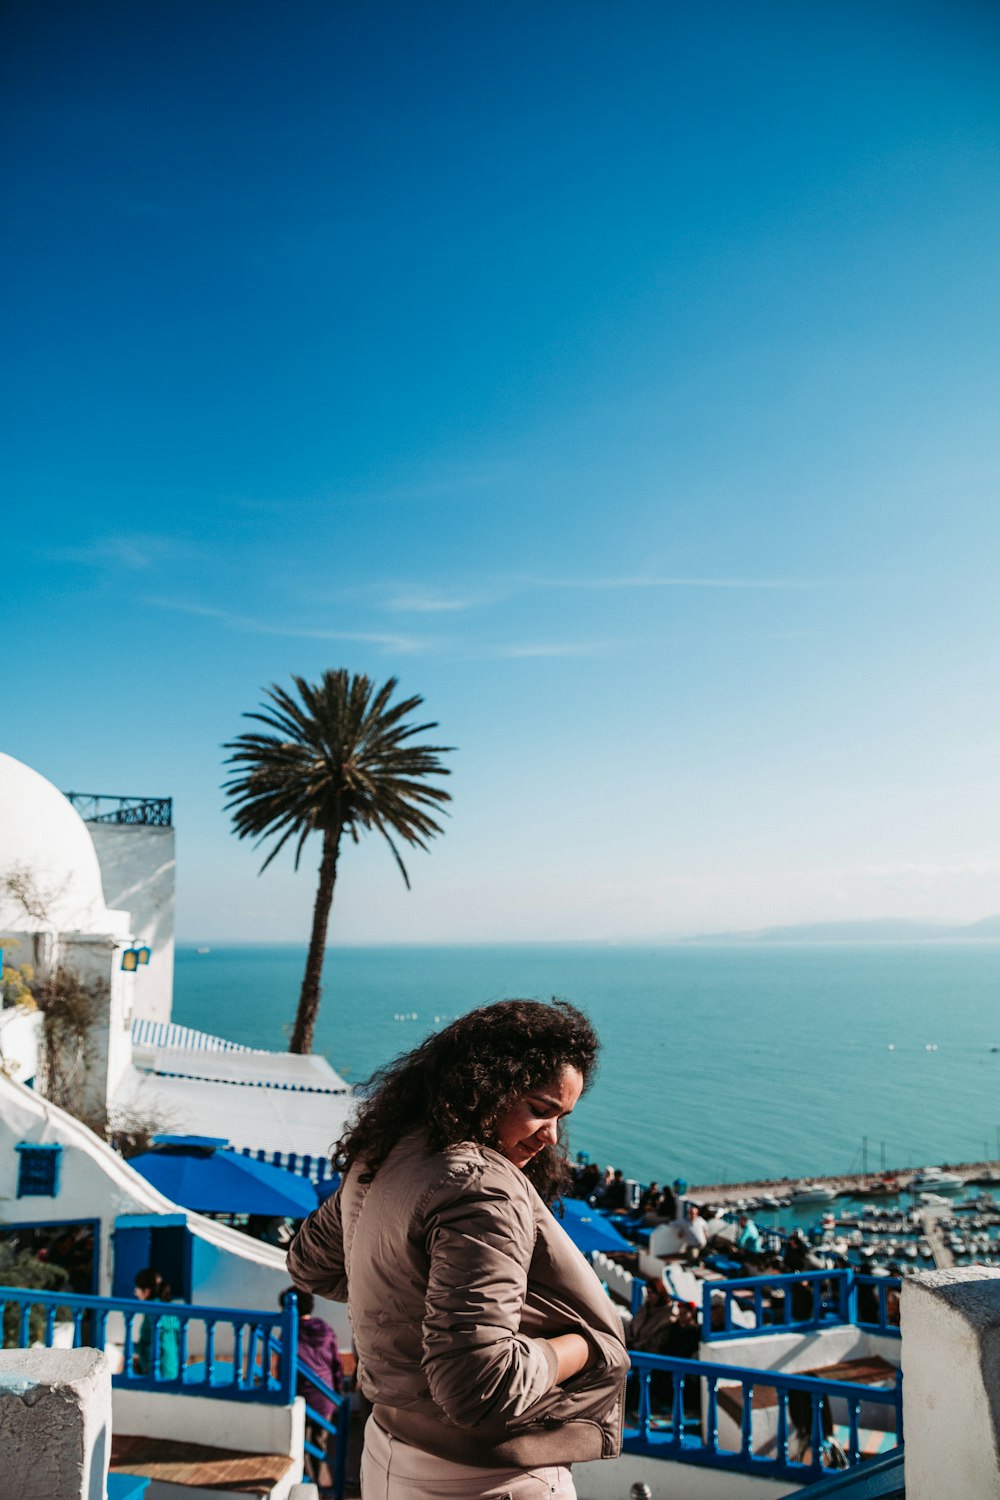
748 1239
151 1287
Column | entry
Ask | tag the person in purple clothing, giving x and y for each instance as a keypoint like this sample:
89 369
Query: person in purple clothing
318 1352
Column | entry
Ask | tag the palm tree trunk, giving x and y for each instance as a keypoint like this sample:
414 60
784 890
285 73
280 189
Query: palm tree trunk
305 1016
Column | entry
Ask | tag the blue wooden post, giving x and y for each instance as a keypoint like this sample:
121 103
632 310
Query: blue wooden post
817 1431
712 1419
746 1420
642 1375
853 1440
289 1347
781 1442
850 1297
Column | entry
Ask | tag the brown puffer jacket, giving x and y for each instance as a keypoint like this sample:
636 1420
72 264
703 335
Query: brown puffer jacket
455 1271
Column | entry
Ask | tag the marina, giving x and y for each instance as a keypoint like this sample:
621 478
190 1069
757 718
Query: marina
917 1230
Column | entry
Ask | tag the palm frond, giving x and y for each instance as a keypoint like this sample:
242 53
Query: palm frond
333 756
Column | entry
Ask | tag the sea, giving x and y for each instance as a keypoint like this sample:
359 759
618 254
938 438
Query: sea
720 1063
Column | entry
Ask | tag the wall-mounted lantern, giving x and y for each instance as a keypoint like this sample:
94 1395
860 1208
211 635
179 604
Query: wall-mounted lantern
135 958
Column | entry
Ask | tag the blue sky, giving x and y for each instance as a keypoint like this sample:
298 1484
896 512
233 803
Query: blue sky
623 379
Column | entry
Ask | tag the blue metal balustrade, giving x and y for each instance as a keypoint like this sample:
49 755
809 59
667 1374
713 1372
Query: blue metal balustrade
800 1303
689 1431
253 1365
880 1479
223 1352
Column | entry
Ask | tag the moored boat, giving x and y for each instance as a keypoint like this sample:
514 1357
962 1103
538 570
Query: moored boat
935 1180
812 1192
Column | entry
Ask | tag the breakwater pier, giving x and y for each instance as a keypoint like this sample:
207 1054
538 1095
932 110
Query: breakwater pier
846 1184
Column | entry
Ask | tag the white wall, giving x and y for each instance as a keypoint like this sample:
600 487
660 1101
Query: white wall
236 1425
100 957
792 1352
951 1383
20 1030
55 1423
253 1427
138 866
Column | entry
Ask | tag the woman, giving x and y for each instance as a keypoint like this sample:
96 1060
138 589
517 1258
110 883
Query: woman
151 1287
490 1352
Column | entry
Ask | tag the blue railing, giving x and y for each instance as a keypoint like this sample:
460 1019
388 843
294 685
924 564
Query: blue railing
806 1300
760 1438
223 1352
878 1479
317 1169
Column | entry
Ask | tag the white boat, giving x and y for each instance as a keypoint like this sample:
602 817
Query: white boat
934 1200
812 1192
936 1180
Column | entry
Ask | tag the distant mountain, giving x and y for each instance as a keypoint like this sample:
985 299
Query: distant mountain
989 927
880 930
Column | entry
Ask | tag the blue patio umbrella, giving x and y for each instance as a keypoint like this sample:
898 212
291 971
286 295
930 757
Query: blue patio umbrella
204 1174
590 1230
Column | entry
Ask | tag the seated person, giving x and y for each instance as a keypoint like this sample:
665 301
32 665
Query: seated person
693 1233
162 1334
648 1198
615 1192
666 1208
748 1239
649 1333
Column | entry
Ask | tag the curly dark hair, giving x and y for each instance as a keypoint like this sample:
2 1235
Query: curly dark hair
459 1083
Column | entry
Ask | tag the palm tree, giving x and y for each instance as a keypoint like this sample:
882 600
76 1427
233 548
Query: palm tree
339 759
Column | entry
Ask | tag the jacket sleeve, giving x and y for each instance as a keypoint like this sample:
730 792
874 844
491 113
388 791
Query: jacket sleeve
480 1369
316 1255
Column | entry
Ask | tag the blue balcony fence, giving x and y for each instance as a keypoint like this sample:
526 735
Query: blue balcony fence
221 1352
801 1303
228 1353
768 1413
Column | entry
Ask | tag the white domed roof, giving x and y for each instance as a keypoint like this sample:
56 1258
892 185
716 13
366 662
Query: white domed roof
45 843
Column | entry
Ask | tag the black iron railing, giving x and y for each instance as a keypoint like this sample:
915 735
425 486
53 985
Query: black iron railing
103 807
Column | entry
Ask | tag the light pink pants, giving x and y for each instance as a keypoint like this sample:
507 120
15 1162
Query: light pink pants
391 1470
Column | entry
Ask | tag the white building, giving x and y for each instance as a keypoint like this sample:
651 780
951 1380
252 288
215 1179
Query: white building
56 873
59 874
53 914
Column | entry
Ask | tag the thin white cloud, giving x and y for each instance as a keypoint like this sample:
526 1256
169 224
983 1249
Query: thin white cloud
135 550
669 581
550 648
429 602
407 644
427 598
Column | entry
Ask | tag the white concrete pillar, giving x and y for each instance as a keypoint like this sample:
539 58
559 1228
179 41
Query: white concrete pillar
950 1323
55 1423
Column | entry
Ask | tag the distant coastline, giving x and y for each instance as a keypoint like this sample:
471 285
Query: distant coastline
878 930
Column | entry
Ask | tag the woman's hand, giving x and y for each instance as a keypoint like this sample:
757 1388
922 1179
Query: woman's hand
572 1354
